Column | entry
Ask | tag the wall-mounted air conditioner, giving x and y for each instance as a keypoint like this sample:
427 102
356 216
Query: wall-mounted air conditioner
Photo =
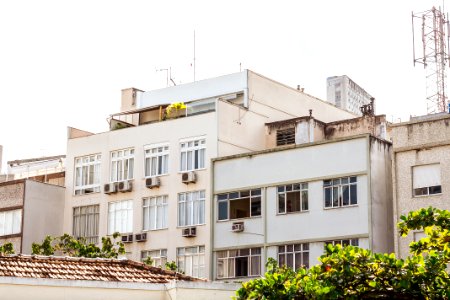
110 188
127 238
237 227
189 232
141 237
152 182
125 186
188 177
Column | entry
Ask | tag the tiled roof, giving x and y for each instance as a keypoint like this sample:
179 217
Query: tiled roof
97 269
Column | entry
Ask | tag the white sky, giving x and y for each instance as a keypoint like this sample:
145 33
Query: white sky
64 63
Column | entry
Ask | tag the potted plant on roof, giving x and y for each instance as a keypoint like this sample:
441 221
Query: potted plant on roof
173 109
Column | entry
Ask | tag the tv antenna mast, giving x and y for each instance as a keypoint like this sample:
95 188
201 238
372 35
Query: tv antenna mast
168 76
434 30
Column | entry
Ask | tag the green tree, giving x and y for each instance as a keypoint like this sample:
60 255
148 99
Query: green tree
70 246
6 249
355 273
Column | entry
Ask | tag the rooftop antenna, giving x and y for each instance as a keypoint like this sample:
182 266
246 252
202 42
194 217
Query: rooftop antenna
434 29
168 75
194 55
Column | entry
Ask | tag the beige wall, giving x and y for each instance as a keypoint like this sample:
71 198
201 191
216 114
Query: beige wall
43 212
418 143
170 131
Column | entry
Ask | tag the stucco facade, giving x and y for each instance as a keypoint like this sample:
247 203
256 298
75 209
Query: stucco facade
359 160
30 210
421 142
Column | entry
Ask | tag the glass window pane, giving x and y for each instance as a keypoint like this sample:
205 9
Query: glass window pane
223 210
353 194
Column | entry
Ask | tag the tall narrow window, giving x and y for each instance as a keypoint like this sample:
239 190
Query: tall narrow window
192 155
87 174
239 263
10 222
155 212
292 198
85 222
156 160
120 216
340 192
427 180
191 208
191 261
122 165
237 205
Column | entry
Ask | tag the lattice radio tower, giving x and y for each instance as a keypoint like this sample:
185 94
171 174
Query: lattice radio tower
434 30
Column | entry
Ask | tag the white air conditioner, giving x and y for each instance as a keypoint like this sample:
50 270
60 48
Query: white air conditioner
152 182
188 177
127 238
237 227
110 188
141 237
125 186
189 232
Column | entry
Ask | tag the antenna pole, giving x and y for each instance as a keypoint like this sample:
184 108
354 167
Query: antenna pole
194 55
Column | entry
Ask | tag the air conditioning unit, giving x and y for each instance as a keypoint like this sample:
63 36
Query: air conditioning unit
127 238
237 227
125 186
110 188
189 232
152 182
188 177
141 237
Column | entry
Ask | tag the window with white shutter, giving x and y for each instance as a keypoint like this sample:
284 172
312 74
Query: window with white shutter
427 180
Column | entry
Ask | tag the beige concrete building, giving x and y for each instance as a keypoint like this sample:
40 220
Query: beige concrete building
149 177
29 211
317 183
421 163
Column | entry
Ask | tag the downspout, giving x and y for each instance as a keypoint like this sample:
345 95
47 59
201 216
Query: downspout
265 228
369 191
246 90
211 228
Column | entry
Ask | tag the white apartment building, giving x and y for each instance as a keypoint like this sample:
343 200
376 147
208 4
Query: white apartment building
149 178
346 94
324 183
421 163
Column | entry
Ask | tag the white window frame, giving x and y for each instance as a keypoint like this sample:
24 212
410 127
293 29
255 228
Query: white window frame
344 242
299 188
87 174
10 222
159 257
120 216
155 212
297 252
192 154
426 180
122 165
191 260
156 160
253 196
86 224
191 208
336 187
226 262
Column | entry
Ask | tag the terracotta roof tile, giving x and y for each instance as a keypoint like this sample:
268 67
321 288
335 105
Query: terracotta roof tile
97 269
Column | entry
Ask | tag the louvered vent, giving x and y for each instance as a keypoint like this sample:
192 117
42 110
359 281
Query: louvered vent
286 136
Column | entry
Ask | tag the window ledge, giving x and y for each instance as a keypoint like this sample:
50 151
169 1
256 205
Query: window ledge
153 230
238 220
185 226
195 170
430 195
337 207
293 213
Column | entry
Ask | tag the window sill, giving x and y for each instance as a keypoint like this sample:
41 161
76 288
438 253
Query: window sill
181 172
429 195
8 236
153 230
337 207
237 220
86 194
293 213
186 226
161 175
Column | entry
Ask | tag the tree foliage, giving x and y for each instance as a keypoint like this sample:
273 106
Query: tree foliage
6 249
356 273
71 246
